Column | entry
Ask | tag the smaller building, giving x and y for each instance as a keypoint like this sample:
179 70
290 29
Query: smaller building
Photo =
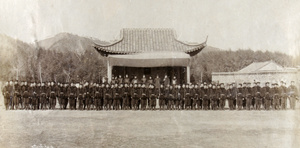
268 71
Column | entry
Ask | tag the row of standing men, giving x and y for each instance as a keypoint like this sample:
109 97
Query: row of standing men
135 96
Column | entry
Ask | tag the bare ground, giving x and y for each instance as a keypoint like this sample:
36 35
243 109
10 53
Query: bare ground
149 128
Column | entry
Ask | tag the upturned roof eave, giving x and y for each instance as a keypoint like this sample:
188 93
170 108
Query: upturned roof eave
193 48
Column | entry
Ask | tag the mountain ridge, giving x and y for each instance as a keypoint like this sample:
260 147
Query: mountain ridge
61 42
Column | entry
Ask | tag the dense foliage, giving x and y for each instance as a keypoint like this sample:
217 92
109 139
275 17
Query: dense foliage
68 57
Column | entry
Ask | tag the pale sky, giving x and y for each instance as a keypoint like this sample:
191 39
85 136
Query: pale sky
272 25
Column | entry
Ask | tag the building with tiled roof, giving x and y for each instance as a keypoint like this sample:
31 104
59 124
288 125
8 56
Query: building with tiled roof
268 71
151 52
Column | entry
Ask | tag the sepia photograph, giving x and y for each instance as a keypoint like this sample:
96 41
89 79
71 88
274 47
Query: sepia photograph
149 73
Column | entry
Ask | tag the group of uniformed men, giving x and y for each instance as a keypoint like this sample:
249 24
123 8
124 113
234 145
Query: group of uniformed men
143 95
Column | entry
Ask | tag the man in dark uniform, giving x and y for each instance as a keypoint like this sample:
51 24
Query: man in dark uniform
200 98
84 89
187 100
113 81
130 98
171 97
125 97
177 97
11 93
205 96
283 94
57 93
150 81
30 87
107 95
101 91
144 79
276 97
110 97
209 100
182 97
157 82
52 96
174 81
120 98
134 80
257 92
21 99
17 95
231 96
72 96
87 96
153 92
61 95
80 92
34 96
76 95
120 80
218 96
293 95
66 96
139 95
166 81
6 94
115 92
267 96
167 95
222 96
213 97
38 91
245 92
126 79
143 96
43 91
248 96
48 88
135 96
161 97
235 89
92 90
193 92
25 95
197 97
240 96
97 97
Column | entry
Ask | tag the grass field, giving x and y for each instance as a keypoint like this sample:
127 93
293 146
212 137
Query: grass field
246 129
150 128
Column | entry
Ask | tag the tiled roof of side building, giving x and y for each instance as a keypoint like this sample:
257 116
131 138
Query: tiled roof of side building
148 40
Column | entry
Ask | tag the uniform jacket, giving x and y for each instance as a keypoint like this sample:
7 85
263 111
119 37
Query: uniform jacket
205 93
257 91
293 91
283 91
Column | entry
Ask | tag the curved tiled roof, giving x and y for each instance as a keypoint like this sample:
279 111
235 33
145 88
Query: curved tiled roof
148 40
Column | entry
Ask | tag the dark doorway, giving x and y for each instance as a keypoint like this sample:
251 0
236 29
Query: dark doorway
179 72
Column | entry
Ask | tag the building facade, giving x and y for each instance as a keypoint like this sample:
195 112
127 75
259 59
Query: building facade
149 52
268 71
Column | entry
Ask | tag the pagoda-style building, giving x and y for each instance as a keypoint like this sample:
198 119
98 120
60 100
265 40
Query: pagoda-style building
151 52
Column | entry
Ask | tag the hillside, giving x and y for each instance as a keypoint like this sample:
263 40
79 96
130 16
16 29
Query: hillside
63 42
13 55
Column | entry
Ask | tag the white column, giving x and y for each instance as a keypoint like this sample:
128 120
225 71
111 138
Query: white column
188 74
109 71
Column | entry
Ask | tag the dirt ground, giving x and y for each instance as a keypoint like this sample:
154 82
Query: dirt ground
149 128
